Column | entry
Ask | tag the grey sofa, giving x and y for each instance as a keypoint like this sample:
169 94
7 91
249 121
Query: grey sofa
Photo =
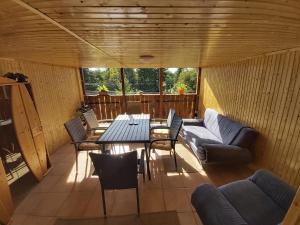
218 139
262 199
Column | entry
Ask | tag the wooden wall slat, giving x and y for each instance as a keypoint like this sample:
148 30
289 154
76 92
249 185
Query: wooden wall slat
264 93
57 95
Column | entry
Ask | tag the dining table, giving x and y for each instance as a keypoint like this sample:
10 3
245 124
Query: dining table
128 129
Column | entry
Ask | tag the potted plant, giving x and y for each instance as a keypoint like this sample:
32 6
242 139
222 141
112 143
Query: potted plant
103 90
181 88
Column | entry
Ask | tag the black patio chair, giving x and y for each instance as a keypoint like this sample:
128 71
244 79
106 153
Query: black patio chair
117 172
134 107
93 124
163 123
167 141
80 139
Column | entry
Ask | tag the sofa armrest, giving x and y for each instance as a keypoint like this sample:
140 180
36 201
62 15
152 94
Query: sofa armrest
279 191
192 122
226 153
213 208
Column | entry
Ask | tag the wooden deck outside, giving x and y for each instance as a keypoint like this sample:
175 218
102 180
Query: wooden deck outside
108 107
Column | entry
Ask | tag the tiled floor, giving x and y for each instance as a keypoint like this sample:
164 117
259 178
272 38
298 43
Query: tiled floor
62 193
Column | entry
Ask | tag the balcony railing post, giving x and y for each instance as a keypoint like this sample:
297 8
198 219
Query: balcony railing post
161 91
197 100
124 105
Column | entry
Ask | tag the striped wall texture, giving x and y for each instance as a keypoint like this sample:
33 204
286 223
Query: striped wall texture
57 93
264 93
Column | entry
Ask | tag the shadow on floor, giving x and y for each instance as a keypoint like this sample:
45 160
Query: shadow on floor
21 187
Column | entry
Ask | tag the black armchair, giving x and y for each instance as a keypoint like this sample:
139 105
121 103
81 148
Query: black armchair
167 141
80 139
163 123
93 124
116 172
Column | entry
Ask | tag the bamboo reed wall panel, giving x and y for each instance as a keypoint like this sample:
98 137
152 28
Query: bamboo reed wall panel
264 93
57 94
181 33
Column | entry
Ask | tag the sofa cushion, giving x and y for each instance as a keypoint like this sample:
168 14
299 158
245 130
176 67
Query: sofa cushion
222 127
272 186
199 135
246 138
254 206
213 208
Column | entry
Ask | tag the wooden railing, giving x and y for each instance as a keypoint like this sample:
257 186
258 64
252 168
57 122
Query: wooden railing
109 106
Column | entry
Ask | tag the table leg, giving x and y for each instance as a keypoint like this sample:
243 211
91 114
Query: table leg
147 161
103 148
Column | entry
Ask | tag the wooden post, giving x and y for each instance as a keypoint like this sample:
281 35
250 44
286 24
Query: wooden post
161 91
82 81
196 106
124 105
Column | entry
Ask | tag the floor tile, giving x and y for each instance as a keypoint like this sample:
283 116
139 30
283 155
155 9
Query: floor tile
172 180
49 204
124 202
47 184
65 193
177 199
155 182
28 205
18 219
152 200
38 220
75 205
186 218
193 180
94 207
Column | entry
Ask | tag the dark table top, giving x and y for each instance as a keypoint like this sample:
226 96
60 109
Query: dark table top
128 129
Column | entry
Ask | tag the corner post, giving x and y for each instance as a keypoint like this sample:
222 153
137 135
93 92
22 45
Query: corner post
197 100
161 91
124 102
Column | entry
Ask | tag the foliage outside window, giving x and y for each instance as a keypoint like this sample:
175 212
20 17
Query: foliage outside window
145 80
175 78
139 80
102 78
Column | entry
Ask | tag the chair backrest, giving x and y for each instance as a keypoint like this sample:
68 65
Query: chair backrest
116 171
170 117
75 129
134 107
91 119
175 127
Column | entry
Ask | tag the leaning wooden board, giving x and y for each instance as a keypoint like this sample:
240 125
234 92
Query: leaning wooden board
35 127
6 205
25 130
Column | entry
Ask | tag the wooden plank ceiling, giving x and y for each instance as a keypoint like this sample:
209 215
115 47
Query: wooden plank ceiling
185 33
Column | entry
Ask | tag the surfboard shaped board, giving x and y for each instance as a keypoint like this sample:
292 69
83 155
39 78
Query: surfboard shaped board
35 126
25 128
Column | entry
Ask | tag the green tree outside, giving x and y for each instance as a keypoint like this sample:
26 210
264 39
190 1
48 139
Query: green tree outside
140 80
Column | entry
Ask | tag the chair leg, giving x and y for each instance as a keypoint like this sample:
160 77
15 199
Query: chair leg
76 161
175 159
103 201
138 200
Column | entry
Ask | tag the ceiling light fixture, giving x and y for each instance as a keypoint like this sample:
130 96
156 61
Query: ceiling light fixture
146 58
